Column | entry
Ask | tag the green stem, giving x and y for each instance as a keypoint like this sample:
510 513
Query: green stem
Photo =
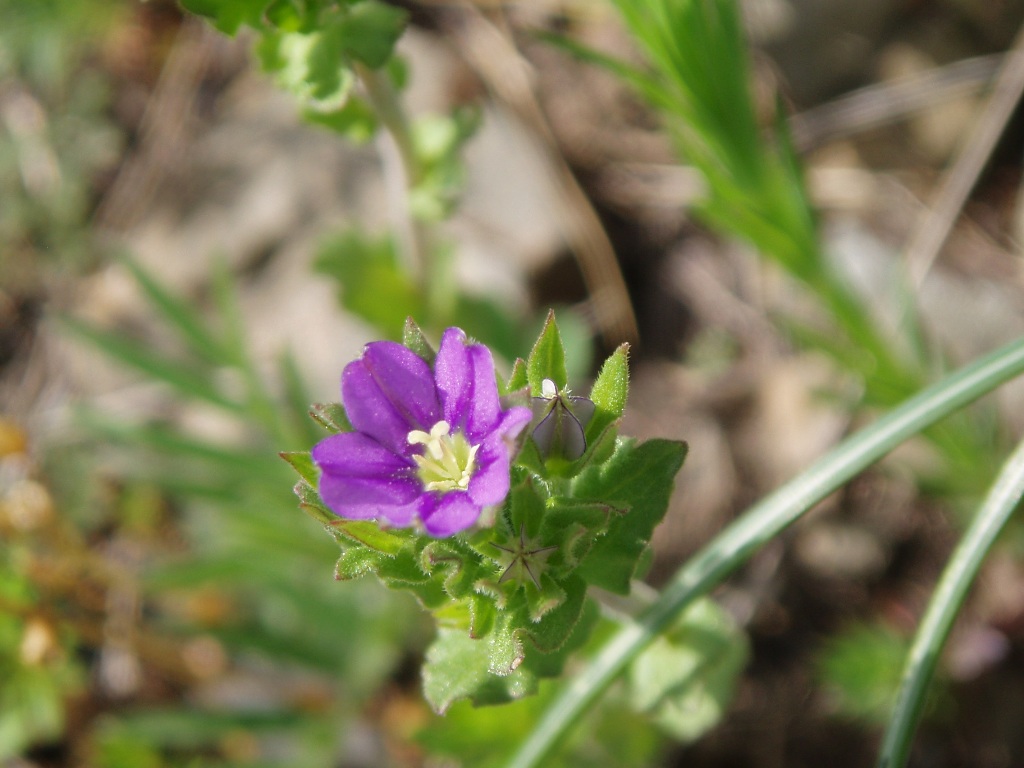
944 606
760 524
430 273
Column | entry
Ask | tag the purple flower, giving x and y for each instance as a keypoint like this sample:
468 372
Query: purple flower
433 445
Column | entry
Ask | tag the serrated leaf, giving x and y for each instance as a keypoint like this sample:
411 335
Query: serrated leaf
638 478
309 65
547 358
553 630
609 393
686 677
414 338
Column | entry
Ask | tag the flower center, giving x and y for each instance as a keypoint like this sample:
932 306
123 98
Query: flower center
448 460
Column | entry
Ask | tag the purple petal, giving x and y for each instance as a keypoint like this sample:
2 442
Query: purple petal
449 513
388 392
361 479
357 455
360 498
490 482
467 385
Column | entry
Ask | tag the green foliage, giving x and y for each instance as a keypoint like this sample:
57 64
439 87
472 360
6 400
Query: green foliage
861 669
686 677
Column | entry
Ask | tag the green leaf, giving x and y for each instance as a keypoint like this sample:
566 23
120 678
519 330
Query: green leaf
355 120
639 479
370 30
457 667
609 393
372 283
310 66
686 677
229 15
547 359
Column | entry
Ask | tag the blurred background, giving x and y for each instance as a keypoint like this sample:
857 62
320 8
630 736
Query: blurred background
186 265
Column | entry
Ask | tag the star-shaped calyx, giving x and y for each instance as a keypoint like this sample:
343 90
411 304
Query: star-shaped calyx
522 558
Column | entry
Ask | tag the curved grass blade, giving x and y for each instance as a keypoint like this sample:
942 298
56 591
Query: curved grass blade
758 525
944 606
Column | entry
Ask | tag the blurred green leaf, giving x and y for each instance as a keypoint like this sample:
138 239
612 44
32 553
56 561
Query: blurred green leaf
686 677
229 15
372 283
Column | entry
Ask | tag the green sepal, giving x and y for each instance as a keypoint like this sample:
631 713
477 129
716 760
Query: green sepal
547 358
609 394
638 478
302 463
574 526
414 338
331 416
458 566
517 380
312 505
374 537
686 677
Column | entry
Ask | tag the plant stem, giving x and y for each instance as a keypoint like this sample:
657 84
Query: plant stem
757 526
944 606
412 236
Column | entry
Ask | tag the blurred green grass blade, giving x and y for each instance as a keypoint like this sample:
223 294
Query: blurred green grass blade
944 606
234 465
182 316
760 524
305 430
185 379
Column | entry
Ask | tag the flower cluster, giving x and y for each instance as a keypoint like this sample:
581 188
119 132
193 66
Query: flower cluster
428 445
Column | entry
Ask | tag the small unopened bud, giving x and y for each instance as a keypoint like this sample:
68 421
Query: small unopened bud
559 422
